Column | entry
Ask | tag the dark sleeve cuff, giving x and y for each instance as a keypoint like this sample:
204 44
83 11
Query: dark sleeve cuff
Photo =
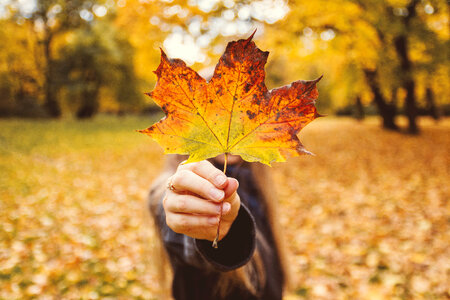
236 248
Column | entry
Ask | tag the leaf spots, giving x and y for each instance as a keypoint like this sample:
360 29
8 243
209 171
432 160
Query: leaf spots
251 115
247 87
256 99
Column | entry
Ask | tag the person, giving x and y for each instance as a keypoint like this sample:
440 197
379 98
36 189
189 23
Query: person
185 203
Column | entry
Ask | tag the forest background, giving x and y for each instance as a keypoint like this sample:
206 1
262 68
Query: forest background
82 57
367 218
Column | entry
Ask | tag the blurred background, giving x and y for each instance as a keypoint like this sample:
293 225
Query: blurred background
367 218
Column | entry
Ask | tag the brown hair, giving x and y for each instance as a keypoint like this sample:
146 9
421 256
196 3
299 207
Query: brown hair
243 275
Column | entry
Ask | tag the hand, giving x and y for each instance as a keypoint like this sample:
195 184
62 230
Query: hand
193 205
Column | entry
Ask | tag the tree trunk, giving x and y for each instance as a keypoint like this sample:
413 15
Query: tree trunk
387 111
359 113
89 102
89 106
401 47
87 110
51 104
431 107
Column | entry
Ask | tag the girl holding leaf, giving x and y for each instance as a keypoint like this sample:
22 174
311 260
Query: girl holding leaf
232 113
249 262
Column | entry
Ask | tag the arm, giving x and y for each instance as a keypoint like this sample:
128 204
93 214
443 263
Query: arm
188 222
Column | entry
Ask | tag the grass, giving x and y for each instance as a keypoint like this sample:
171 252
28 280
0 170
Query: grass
367 218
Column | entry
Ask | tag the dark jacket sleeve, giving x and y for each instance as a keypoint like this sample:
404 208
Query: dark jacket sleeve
236 248
233 251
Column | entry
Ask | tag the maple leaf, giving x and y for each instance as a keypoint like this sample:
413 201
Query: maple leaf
233 113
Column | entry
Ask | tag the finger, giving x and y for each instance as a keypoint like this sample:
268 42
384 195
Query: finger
231 203
186 180
207 170
190 204
184 223
231 187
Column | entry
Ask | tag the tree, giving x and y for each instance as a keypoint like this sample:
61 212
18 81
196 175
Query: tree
386 42
96 58
20 79
50 19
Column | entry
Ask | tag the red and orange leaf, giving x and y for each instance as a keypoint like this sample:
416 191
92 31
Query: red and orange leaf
232 113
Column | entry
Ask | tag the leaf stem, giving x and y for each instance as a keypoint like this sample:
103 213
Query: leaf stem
225 163
216 239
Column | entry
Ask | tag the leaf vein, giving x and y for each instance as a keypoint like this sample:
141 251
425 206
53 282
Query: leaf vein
192 102
269 117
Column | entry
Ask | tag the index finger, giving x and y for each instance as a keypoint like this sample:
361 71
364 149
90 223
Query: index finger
207 170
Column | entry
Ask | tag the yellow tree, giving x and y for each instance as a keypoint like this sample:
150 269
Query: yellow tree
382 42
20 78
49 19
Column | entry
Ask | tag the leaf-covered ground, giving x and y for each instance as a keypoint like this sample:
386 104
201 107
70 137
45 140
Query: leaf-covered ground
367 218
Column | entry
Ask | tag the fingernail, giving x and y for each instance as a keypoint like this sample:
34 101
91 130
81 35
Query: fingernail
213 220
220 180
216 194
226 207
